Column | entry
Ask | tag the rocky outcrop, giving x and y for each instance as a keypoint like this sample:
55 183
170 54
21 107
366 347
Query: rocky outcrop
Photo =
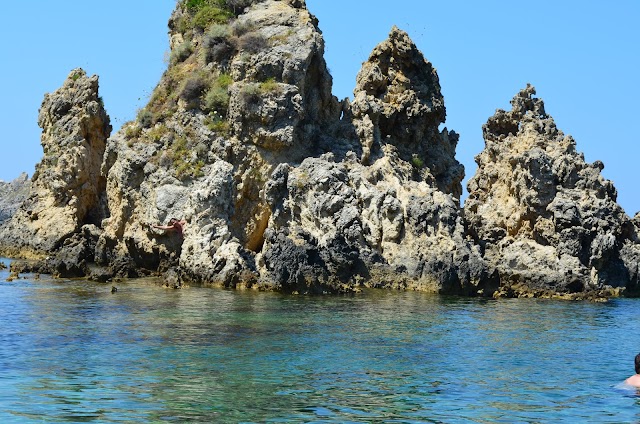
545 218
338 224
12 194
276 181
247 95
388 217
397 101
67 187
275 184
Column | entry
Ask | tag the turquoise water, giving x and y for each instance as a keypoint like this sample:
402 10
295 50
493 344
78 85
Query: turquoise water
71 351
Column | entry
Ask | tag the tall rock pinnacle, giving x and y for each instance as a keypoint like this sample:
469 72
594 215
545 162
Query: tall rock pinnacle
398 102
545 217
68 184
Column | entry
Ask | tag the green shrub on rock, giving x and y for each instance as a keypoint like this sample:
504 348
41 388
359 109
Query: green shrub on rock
217 100
253 42
193 89
250 93
181 53
219 44
209 15
145 118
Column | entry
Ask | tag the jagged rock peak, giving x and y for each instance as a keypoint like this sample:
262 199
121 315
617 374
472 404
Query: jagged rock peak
398 102
545 217
67 184
396 66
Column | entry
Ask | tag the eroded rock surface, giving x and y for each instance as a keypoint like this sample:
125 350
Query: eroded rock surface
67 188
281 186
386 213
276 179
247 95
12 194
544 217
397 101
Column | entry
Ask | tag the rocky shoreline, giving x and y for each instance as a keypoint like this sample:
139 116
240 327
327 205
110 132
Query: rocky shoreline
281 186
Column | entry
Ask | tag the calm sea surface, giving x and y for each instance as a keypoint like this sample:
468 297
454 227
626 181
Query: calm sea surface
71 351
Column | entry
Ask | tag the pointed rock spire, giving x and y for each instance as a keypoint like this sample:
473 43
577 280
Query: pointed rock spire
398 102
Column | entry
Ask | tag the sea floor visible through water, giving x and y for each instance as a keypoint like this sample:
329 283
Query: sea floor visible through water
72 351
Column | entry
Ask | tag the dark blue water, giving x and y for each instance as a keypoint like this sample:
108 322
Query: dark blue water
71 351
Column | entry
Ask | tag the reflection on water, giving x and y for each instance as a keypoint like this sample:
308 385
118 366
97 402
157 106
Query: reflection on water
72 351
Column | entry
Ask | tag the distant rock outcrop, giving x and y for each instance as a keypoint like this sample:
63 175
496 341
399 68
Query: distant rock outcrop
67 186
545 218
12 194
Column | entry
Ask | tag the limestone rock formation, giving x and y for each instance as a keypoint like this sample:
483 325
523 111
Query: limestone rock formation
281 186
239 98
274 177
397 101
335 224
388 217
67 186
545 218
12 194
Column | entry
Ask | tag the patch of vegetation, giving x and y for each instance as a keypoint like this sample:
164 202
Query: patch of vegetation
416 161
219 44
203 13
218 125
133 131
217 98
184 163
252 42
209 15
181 53
224 80
219 31
144 118
238 6
269 86
160 105
250 93
156 133
193 88
242 28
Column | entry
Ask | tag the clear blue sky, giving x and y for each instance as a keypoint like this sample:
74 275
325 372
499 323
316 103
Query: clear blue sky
583 56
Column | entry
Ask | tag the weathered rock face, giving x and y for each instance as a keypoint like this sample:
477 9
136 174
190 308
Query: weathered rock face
280 186
398 102
67 186
12 194
335 224
239 98
544 217
388 217
233 141
281 98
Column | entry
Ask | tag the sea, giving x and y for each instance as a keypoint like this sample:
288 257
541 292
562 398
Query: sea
73 351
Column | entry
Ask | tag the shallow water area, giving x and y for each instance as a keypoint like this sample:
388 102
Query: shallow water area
72 351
